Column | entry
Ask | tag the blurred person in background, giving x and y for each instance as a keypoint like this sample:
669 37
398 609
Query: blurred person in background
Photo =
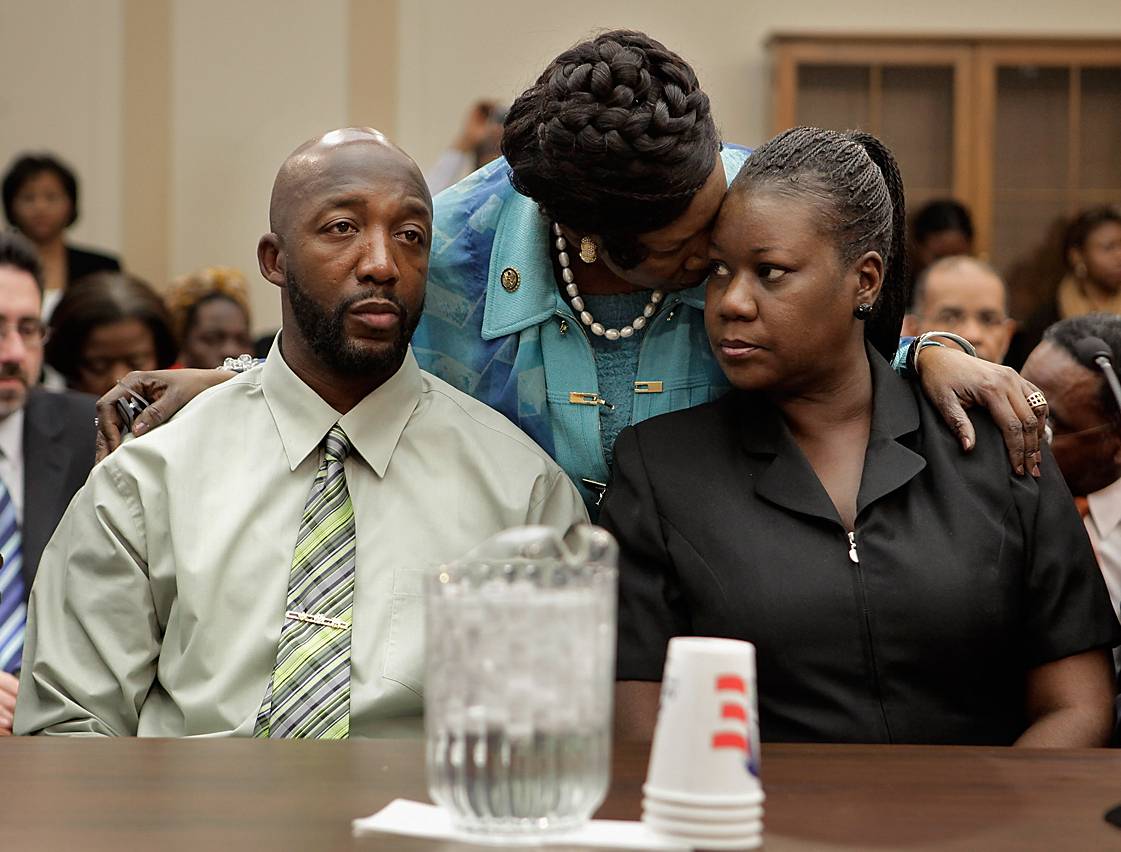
940 228
45 453
108 325
1093 255
210 316
966 296
41 201
1092 281
1085 430
479 141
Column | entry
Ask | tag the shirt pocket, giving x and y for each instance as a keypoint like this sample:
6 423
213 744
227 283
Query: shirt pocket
404 653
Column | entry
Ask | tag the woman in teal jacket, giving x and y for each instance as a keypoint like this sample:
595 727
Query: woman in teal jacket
565 286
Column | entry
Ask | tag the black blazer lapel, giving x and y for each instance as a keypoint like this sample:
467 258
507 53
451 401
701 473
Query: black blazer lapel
789 480
46 458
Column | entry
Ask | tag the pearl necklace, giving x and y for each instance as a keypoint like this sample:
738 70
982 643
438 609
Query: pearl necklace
637 324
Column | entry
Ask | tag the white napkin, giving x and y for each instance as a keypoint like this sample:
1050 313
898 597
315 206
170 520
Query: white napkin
415 819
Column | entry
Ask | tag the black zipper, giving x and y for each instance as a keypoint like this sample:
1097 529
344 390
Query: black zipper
854 557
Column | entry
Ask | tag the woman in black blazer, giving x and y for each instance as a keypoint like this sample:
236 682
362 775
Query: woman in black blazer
41 200
895 589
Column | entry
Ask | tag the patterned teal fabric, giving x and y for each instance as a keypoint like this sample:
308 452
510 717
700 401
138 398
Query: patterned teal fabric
616 362
520 350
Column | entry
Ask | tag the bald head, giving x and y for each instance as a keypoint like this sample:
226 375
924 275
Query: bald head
331 161
966 296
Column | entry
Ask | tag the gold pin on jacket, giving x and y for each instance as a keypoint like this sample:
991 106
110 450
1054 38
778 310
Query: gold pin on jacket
586 398
511 279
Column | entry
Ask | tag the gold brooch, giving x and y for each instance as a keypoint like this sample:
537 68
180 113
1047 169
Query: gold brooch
510 279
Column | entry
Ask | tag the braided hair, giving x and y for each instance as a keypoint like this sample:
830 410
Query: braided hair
615 138
854 178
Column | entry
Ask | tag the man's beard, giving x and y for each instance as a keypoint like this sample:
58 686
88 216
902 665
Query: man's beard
326 333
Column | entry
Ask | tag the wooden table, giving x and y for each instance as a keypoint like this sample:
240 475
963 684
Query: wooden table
247 795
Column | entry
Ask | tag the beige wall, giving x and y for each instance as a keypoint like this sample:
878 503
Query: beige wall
454 51
235 84
250 80
60 90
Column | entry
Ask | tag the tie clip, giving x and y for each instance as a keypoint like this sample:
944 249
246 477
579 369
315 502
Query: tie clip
321 620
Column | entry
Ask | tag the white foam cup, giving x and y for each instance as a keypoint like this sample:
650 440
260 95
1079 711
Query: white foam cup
672 811
706 740
747 829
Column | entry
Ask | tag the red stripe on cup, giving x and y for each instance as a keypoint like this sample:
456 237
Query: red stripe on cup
732 683
733 711
728 740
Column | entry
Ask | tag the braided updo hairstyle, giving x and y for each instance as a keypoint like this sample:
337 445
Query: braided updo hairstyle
855 181
615 138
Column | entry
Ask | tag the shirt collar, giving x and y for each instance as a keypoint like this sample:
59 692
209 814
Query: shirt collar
522 243
1105 508
374 426
11 435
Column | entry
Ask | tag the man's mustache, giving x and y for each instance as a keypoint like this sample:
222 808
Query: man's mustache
372 293
13 371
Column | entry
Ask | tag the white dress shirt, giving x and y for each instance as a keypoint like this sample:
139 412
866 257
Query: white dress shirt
11 459
1103 524
159 600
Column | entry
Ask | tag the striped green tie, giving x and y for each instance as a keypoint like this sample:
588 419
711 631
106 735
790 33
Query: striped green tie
309 694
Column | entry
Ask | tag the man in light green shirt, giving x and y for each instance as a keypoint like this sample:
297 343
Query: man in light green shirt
170 584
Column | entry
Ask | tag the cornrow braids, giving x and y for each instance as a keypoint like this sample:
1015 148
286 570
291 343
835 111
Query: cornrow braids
856 180
615 138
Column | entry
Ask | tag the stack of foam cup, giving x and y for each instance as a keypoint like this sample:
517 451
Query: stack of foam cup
702 786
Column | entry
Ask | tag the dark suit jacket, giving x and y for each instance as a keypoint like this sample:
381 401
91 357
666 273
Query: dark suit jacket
58 452
80 262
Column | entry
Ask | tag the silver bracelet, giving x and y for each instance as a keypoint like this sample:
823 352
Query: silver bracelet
239 364
924 339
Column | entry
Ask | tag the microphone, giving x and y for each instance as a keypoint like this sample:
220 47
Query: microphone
1095 352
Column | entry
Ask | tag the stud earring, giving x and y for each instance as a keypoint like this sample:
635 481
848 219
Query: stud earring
589 253
862 312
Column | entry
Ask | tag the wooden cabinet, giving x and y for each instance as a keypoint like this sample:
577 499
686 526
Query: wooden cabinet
1024 131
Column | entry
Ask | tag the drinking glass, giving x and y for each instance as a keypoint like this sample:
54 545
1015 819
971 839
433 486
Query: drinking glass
518 680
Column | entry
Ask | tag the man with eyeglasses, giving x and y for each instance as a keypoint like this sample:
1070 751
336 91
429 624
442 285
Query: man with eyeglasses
1084 426
966 296
46 452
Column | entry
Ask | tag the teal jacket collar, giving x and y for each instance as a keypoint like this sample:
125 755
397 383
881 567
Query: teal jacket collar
522 244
